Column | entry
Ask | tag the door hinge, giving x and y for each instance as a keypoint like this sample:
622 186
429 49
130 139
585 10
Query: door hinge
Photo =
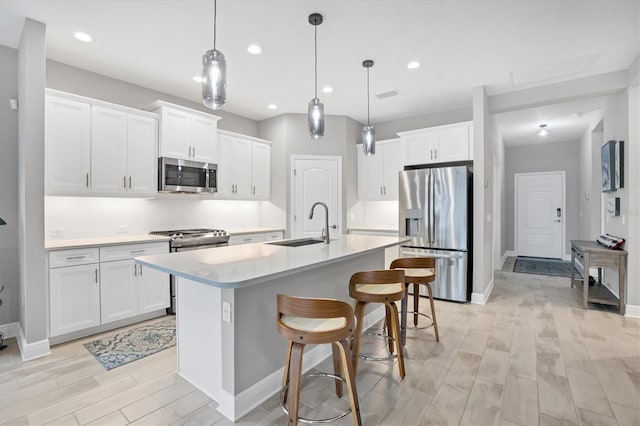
294 172
294 218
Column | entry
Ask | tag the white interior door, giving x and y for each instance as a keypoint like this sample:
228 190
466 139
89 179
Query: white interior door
540 208
316 178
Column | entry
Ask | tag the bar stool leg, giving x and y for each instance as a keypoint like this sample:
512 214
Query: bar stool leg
416 301
285 378
395 326
388 327
433 312
295 376
357 334
403 317
350 377
337 367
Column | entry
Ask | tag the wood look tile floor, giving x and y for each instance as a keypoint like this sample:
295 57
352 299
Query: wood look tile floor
531 356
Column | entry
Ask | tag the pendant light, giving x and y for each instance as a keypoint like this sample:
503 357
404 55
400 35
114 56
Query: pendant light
315 114
368 132
214 73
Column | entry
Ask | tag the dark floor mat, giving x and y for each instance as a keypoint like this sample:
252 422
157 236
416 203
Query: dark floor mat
542 266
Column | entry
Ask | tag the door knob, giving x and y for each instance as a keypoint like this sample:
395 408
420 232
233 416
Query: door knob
333 226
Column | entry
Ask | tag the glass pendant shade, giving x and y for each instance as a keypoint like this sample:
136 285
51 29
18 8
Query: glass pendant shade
369 140
316 118
214 79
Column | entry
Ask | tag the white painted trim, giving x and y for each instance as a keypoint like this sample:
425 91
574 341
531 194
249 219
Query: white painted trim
481 298
564 207
30 351
510 253
566 257
10 330
252 397
632 311
240 135
503 259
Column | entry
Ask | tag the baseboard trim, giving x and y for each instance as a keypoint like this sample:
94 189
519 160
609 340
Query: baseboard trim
502 260
481 298
31 351
252 397
632 311
510 253
566 257
10 330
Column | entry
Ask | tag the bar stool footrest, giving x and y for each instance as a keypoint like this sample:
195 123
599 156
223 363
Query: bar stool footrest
421 327
314 373
372 358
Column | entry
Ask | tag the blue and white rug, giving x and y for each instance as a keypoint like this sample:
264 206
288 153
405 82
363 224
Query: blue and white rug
134 344
543 266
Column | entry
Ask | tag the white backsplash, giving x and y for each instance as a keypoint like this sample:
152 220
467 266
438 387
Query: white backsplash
82 217
373 214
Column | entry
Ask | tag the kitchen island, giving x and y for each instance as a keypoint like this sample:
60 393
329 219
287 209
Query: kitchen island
227 340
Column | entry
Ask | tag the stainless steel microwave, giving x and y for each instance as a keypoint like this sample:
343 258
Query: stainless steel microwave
186 176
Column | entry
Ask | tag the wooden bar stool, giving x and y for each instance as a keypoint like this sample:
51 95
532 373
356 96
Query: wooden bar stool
417 270
306 321
384 287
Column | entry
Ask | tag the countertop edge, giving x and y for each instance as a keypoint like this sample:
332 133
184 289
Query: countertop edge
102 242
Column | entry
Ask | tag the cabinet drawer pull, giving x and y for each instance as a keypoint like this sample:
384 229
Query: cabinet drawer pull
75 257
137 251
247 239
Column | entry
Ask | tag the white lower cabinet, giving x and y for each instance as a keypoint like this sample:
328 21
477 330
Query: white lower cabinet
85 292
74 298
235 240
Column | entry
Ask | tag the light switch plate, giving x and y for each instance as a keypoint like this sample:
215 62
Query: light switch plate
226 312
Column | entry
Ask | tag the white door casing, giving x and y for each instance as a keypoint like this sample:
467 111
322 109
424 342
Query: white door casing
315 178
539 212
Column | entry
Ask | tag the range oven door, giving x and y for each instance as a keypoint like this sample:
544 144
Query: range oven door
186 176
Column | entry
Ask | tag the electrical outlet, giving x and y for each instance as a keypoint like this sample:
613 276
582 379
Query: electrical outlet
226 312
123 229
56 232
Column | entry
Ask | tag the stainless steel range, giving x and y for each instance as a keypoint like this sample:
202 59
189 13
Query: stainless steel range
191 239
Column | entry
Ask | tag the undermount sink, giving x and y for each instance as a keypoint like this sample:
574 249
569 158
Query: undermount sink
297 243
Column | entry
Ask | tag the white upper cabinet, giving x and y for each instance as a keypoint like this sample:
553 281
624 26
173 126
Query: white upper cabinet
244 169
441 144
97 148
187 134
378 173
67 147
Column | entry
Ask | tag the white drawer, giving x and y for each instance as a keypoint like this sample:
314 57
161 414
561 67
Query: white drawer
73 257
245 239
129 251
274 235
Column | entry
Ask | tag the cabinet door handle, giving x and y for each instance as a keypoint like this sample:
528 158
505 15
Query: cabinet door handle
86 180
384 190
189 151
140 270
194 151
124 182
96 274
135 270
129 182
435 152
254 190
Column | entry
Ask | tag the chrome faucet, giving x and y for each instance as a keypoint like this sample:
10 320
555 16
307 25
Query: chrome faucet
325 230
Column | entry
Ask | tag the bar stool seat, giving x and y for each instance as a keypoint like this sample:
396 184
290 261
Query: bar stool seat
384 287
418 271
316 321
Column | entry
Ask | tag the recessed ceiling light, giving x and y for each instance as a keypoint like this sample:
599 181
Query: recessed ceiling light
413 65
543 130
83 37
327 89
272 106
197 78
254 49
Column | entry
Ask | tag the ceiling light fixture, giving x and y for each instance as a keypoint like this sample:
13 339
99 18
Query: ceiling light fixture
315 113
368 132
272 106
254 49
214 73
83 37
413 65
543 130
327 89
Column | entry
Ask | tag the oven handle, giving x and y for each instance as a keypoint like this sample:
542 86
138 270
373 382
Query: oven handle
198 247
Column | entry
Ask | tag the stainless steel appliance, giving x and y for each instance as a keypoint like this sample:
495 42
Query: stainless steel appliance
186 176
191 239
436 210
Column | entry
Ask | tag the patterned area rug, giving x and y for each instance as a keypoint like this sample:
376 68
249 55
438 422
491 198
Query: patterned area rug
134 344
542 266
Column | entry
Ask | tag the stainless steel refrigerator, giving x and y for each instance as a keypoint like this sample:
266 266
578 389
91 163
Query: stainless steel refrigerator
436 211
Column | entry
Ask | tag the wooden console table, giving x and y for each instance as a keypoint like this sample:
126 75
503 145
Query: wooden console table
593 255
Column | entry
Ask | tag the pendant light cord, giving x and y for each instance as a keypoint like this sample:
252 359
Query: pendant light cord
215 16
367 96
316 59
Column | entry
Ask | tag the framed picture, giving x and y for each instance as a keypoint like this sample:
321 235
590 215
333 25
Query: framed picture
607 161
619 165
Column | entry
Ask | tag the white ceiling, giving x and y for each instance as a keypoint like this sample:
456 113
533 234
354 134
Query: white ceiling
461 44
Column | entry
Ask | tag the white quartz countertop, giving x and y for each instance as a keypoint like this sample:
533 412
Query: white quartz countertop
252 230
248 264
102 241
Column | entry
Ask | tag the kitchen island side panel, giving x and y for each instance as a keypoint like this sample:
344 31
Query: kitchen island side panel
259 349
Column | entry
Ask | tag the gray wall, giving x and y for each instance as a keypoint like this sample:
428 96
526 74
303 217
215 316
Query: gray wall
589 199
544 157
86 83
8 186
388 129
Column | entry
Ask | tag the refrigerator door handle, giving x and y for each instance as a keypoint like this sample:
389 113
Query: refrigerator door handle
429 206
432 220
